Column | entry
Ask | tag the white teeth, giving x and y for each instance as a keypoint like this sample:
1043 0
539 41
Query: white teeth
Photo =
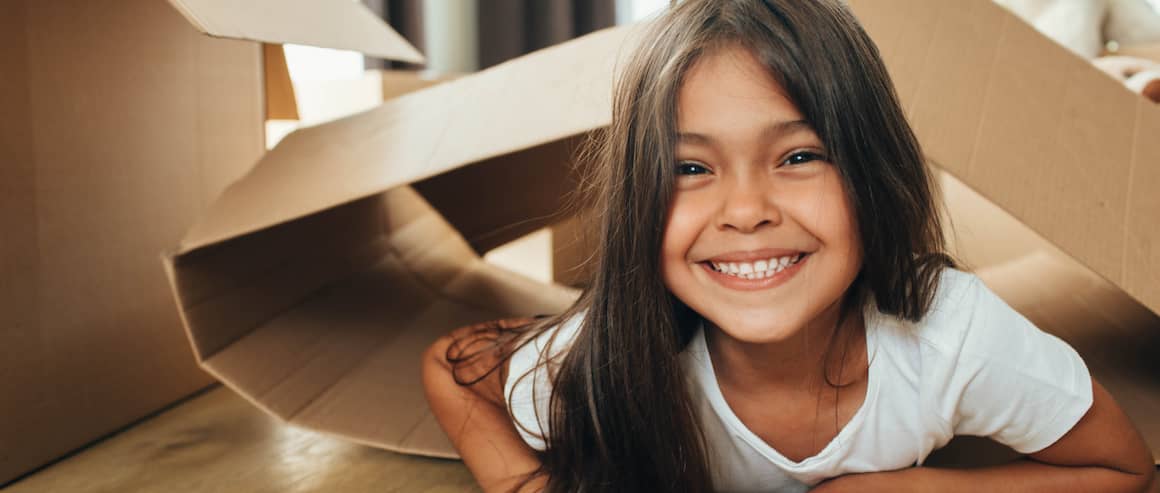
759 269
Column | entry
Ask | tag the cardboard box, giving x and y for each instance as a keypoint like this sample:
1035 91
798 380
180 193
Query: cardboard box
312 285
121 122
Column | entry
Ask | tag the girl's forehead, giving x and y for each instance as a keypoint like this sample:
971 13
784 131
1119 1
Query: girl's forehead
730 84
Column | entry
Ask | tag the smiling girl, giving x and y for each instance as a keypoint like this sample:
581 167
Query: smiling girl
772 308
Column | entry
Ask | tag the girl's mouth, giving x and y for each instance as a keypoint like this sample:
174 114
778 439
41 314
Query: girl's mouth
756 270
760 274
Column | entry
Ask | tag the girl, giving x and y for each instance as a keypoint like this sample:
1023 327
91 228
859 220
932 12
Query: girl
771 308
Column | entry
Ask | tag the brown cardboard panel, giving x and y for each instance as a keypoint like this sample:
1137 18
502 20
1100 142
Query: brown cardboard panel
115 148
898 36
1140 272
376 403
535 100
1049 138
340 25
1075 173
280 101
942 122
302 361
229 130
234 289
545 178
21 369
117 179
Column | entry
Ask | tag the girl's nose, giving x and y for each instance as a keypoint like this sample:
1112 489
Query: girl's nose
747 206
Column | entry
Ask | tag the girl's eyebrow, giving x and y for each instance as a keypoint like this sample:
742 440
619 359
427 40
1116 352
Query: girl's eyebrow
771 131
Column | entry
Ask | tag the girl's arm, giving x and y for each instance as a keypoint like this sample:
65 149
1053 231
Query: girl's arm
475 418
1102 452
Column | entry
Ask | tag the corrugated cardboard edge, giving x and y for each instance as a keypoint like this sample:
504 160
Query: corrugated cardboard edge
167 261
343 25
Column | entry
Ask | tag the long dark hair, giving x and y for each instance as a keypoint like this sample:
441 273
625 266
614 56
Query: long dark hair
621 416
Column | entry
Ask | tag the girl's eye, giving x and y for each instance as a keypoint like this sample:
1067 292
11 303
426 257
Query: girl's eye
691 168
802 157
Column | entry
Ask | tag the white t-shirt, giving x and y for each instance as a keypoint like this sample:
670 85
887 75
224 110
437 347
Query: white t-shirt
972 366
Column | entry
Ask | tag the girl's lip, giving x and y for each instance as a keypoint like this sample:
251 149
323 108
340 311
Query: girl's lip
742 284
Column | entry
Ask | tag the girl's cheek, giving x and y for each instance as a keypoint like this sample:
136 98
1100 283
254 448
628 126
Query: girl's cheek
687 219
688 212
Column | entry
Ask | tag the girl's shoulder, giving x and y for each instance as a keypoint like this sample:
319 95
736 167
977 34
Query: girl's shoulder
965 316
987 370
559 336
969 326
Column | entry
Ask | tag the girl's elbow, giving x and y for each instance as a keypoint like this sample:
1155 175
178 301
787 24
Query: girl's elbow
1142 479
435 356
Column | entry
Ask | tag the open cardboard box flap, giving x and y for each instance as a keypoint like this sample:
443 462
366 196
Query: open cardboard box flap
314 283
343 25
539 99
1036 130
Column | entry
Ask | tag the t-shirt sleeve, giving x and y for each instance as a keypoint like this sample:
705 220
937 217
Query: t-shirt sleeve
1003 377
528 388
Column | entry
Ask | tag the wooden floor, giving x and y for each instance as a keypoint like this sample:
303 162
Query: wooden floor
218 442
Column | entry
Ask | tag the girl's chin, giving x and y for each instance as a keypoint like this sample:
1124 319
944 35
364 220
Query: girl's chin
754 333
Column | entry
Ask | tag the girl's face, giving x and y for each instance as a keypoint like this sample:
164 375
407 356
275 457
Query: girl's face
760 239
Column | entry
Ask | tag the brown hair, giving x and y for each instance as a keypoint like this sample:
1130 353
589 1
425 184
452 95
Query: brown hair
621 416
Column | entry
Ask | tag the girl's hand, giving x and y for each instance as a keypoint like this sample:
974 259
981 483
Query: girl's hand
475 415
